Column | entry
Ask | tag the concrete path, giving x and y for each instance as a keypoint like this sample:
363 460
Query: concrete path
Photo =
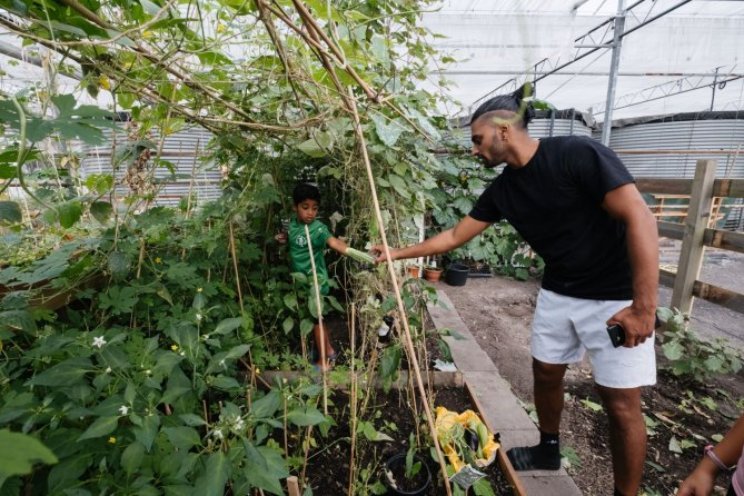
500 406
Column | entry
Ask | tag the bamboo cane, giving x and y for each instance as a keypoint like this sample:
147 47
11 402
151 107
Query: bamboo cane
396 289
352 402
321 346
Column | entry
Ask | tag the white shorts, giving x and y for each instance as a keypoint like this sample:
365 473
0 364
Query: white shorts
565 327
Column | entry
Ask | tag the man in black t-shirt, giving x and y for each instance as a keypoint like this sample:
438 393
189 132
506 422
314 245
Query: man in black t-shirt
577 206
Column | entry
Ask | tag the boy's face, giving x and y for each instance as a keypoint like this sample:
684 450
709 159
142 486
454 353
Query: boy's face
306 211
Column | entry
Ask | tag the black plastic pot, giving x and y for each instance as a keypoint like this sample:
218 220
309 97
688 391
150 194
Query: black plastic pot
457 274
398 461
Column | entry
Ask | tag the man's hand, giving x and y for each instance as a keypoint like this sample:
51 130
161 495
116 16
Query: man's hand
637 324
281 238
379 252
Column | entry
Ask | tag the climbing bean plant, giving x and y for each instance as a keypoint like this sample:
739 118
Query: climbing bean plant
148 382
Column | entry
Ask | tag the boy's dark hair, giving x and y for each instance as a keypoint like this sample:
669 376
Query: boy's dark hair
305 191
511 102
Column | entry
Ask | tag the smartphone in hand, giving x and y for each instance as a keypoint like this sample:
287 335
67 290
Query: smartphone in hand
617 333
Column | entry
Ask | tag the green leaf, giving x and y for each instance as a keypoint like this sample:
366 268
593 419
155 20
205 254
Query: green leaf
595 407
390 361
673 350
146 434
8 171
399 184
173 393
102 426
305 416
290 301
66 373
118 264
228 325
192 419
311 148
182 437
131 458
288 324
69 213
99 183
266 406
10 212
265 468
387 130
224 382
19 320
101 211
216 472
306 326
19 452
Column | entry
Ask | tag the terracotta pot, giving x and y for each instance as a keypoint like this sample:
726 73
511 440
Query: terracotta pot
432 274
413 271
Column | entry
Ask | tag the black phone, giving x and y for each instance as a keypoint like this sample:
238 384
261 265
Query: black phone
617 333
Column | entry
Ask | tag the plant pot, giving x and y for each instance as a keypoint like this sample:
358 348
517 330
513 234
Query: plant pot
413 271
432 274
395 476
457 274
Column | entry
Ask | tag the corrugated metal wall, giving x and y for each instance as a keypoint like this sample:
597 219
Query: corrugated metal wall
722 134
184 149
538 128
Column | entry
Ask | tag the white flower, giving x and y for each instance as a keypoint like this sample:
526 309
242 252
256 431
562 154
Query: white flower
99 342
182 353
108 370
123 409
239 424
198 317
218 434
222 363
148 372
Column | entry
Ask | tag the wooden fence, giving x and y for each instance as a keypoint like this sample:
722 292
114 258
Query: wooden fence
696 235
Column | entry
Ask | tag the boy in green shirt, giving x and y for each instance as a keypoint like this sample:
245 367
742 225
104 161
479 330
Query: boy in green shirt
306 200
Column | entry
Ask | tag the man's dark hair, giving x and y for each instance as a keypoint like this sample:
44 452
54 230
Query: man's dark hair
305 191
513 102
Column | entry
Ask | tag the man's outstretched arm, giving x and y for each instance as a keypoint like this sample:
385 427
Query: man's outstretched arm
448 240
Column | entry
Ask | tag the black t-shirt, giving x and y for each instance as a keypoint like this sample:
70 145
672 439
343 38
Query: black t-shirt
555 203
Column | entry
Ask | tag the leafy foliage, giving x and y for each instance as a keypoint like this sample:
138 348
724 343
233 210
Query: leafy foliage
691 357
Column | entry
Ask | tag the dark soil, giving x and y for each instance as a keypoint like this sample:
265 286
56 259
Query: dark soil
328 470
498 312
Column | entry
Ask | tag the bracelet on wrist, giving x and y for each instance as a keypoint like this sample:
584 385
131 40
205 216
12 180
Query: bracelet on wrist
719 463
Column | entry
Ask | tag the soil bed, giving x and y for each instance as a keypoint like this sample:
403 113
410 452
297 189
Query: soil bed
328 468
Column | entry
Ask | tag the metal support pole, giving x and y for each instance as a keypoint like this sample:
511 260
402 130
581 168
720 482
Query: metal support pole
612 83
713 95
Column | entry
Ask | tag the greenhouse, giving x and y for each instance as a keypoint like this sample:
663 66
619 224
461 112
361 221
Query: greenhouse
434 247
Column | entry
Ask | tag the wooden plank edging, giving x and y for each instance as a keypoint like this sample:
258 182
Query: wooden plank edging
504 463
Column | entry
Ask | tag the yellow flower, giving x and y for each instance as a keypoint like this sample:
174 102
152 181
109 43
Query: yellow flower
158 260
103 82
221 28
174 347
199 290
112 440
258 371
147 34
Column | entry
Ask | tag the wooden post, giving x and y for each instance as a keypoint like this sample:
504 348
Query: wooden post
293 487
691 255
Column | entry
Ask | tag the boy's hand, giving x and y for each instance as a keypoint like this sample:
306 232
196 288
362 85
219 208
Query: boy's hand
281 238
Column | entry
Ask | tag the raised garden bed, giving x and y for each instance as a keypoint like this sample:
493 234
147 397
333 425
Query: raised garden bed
329 463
